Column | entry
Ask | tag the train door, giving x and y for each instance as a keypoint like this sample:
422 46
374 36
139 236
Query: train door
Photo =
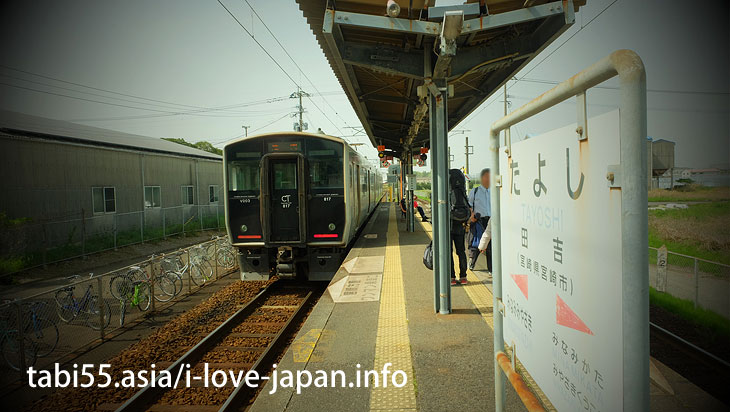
358 187
285 188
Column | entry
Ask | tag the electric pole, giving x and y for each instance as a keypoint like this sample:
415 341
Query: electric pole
468 150
246 129
301 126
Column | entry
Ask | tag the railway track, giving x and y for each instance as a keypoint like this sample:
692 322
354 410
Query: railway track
249 340
699 366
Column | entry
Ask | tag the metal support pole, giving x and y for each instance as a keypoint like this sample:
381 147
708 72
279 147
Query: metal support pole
499 388
697 283
164 233
410 221
434 212
141 226
190 273
100 287
115 231
442 221
21 341
215 257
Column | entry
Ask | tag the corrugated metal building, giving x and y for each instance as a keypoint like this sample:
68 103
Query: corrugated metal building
74 182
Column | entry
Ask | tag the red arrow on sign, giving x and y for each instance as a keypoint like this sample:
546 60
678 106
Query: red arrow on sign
566 317
521 281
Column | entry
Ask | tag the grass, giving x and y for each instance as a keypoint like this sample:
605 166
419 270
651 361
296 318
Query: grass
691 193
101 242
706 319
701 230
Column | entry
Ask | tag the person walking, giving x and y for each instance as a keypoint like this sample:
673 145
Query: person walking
479 199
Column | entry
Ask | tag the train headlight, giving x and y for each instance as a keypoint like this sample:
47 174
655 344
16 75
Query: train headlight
332 226
244 228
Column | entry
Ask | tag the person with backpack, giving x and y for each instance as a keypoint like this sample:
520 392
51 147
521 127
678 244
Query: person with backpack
460 213
479 199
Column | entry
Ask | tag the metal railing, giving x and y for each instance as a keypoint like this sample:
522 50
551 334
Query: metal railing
50 326
30 245
702 281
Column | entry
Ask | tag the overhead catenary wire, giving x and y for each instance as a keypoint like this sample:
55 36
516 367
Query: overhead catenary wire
296 64
274 60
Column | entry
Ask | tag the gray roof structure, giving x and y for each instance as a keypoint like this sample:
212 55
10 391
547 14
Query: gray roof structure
20 124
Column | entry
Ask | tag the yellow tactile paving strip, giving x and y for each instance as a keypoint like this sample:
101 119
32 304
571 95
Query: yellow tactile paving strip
478 292
392 343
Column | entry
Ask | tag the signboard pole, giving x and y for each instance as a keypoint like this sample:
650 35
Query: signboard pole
629 382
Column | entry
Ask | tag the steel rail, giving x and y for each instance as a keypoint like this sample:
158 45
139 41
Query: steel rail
150 392
690 345
266 358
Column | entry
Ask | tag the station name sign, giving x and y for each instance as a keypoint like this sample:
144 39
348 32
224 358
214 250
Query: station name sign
561 264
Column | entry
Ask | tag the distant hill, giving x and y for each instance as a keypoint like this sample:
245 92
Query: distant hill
201 145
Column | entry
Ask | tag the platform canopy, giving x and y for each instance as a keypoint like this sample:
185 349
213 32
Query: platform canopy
381 60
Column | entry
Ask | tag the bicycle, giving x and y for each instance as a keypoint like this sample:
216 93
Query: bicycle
10 345
165 288
222 251
198 265
95 312
137 294
42 331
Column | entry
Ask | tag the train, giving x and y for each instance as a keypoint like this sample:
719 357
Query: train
294 202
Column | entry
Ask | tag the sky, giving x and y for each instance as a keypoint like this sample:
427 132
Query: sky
187 69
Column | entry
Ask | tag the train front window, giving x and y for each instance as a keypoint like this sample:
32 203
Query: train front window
325 173
243 175
285 175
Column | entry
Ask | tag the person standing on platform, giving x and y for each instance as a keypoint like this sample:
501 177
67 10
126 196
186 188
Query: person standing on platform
480 201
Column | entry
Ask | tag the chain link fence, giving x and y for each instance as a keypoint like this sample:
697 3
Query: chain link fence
45 328
29 245
704 282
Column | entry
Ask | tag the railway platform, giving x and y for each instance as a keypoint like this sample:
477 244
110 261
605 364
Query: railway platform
379 309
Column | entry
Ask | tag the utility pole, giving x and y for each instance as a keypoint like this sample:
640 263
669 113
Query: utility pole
246 129
468 150
300 109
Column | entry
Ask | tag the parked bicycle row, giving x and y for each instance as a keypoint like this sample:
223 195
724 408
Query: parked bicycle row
82 311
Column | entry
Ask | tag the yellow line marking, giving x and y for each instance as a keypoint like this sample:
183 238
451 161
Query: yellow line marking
477 291
392 343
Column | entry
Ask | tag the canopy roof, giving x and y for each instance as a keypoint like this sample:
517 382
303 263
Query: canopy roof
380 61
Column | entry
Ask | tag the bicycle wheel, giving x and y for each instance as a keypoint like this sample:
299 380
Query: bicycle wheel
65 306
176 279
164 288
44 333
120 286
197 274
226 259
11 350
93 309
137 274
144 297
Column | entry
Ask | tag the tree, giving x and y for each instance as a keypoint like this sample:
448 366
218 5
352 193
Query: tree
201 145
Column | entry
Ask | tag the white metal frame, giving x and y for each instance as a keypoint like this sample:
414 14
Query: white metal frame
103 196
631 177
144 195
183 199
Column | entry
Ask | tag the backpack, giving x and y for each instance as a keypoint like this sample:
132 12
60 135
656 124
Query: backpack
428 256
458 201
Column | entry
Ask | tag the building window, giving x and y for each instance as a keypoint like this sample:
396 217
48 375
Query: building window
104 199
152 197
213 194
187 195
